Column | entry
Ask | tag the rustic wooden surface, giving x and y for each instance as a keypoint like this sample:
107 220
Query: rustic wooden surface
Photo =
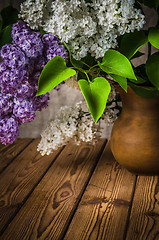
76 193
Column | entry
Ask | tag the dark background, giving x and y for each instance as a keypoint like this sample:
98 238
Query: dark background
15 3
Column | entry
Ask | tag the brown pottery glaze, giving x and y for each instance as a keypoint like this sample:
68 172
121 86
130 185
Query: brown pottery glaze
135 135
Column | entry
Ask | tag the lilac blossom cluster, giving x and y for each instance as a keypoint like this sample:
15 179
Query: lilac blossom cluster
21 66
87 26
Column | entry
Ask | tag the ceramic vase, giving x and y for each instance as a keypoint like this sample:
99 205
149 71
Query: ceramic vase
135 134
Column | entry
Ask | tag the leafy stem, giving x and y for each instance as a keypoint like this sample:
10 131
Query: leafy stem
86 64
94 66
87 77
94 70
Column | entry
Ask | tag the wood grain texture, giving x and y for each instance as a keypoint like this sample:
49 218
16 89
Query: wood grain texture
8 152
48 211
103 211
144 218
18 180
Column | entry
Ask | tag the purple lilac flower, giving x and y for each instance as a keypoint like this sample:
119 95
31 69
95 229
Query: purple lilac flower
32 45
23 61
8 50
9 129
40 63
24 109
30 42
6 104
33 80
49 39
3 67
41 101
25 90
11 80
19 30
13 56
53 47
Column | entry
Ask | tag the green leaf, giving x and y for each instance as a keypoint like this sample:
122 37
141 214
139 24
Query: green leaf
152 69
132 42
5 36
54 72
96 95
121 80
116 63
9 15
145 92
139 80
153 37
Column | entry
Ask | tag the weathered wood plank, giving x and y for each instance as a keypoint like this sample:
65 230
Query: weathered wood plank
144 218
103 211
18 180
49 209
9 152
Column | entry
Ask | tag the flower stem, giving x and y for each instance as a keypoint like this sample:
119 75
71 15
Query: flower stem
94 66
87 77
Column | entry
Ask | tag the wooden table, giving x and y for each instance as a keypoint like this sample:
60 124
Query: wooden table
76 193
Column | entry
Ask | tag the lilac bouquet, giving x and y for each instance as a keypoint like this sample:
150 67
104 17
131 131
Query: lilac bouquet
34 61
98 41
22 62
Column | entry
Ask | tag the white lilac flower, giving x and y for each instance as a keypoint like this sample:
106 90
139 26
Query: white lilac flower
74 124
35 14
71 124
86 26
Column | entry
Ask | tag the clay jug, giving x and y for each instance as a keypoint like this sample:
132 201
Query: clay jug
135 134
